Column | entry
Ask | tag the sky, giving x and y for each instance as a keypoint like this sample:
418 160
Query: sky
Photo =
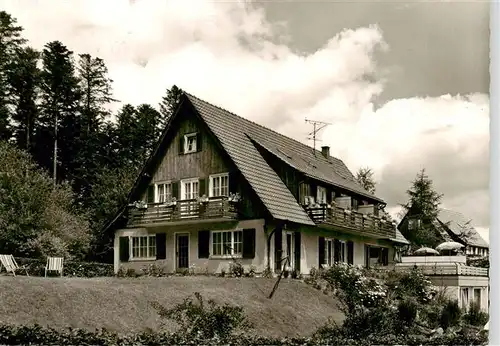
403 85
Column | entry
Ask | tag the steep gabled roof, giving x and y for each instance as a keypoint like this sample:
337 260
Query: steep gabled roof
305 159
456 222
232 131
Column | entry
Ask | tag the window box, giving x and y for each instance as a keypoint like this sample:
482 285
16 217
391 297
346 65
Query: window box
234 197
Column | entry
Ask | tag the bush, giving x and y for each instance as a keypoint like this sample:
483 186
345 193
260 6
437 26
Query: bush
205 320
475 316
450 316
36 267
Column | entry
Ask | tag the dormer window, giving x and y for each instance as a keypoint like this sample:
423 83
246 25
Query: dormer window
190 143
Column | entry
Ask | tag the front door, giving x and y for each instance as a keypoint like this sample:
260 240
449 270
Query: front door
182 246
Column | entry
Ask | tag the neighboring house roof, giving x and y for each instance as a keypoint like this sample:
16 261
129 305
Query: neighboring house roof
455 221
400 238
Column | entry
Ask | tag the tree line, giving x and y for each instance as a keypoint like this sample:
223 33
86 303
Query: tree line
56 126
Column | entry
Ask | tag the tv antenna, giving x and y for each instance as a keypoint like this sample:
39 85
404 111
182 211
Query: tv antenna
317 126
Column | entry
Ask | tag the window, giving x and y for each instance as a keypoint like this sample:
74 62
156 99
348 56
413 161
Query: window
342 251
190 143
329 252
189 189
163 192
477 296
144 247
219 185
227 243
321 195
290 249
464 296
414 224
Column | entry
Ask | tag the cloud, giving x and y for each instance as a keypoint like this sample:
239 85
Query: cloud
231 55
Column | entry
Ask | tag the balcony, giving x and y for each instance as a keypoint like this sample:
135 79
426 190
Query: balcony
351 221
183 211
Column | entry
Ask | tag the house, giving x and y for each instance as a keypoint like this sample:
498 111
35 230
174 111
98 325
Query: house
451 275
219 187
450 226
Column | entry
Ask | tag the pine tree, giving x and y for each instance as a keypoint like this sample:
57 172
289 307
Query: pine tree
58 119
24 79
168 104
10 42
96 95
423 204
364 176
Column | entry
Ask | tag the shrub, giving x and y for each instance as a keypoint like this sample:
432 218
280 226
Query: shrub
450 315
475 316
407 311
205 320
236 269
154 270
36 267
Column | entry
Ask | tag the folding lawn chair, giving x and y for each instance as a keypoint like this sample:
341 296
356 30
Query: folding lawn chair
54 264
10 264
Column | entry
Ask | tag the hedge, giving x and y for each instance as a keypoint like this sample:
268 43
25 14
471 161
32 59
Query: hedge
36 267
37 335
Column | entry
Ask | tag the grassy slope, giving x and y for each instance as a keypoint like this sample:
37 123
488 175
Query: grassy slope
122 305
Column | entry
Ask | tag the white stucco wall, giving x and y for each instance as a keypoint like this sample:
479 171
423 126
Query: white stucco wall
452 285
309 249
201 265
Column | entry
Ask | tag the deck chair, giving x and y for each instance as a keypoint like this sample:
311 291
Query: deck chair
54 264
10 264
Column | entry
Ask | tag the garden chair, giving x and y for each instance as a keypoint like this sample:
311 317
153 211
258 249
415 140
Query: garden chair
10 264
54 264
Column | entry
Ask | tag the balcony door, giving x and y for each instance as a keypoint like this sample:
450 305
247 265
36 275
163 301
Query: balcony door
189 192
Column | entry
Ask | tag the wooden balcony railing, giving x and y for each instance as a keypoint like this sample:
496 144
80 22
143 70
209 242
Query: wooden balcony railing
358 222
444 269
191 209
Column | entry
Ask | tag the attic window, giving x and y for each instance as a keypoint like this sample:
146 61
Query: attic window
190 143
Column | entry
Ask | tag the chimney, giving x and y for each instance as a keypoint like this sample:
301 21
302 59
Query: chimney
325 151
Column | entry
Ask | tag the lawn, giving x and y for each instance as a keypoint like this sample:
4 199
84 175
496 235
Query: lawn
122 304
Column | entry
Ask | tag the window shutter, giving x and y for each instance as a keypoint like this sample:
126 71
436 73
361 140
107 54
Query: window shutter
151 194
175 190
297 251
249 243
203 244
198 141
181 145
321 251
233 181
350 252
336 253
385 256
202 183
367 256
314 191
124 249
278 246
161 246
329 194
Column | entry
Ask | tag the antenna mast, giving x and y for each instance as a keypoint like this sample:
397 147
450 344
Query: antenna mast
317 126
